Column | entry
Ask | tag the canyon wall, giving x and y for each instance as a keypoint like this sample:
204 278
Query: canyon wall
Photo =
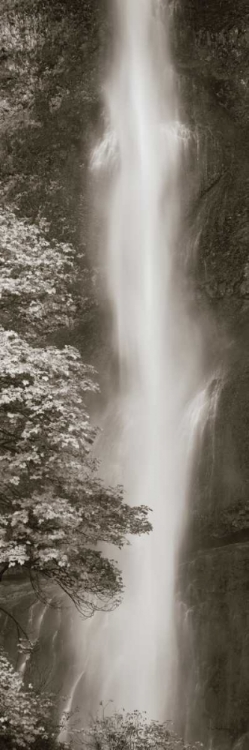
211 51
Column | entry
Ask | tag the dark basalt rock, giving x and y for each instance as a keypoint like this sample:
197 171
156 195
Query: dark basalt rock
243 743
211 49
214 645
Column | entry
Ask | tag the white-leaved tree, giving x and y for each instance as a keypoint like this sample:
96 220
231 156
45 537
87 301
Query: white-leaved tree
54 510
25 717
38 280
55 514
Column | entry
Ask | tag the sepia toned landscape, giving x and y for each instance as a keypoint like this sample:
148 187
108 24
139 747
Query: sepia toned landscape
124 374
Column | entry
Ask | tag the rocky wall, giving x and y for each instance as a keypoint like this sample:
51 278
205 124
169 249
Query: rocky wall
211 48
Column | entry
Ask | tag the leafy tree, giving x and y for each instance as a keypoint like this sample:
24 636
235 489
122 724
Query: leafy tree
55 512
54 509
46 289
39 289
24 716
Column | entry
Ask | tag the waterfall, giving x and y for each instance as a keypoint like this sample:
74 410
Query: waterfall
36 618
151 421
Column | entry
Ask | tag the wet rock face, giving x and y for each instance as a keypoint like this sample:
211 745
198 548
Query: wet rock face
243 743
215 36
221 482
211 48
213 690
48 657
50 57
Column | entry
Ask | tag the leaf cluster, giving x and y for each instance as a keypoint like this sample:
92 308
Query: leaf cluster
37 279
55 511
24 716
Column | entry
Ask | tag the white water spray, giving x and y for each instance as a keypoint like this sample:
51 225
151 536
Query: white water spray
160 396
156 345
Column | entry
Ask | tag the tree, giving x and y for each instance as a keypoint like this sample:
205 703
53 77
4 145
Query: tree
25 717
54 510
38 280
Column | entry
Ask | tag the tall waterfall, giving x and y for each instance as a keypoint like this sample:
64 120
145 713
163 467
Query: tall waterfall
150 424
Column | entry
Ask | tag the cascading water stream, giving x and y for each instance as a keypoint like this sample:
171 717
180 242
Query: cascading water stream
160 396
37 614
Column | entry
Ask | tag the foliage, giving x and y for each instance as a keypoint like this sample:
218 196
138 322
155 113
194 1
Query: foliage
48 55
54 509
132 731
24 716
36 279
224 523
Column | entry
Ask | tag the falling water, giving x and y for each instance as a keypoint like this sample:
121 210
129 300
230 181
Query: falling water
160 396
36 618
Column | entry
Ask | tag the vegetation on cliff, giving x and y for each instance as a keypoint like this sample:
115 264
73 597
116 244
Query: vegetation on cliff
25 718
132 731
49 68
54 510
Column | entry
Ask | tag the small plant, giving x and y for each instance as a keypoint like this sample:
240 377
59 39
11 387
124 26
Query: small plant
24 716
132 731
